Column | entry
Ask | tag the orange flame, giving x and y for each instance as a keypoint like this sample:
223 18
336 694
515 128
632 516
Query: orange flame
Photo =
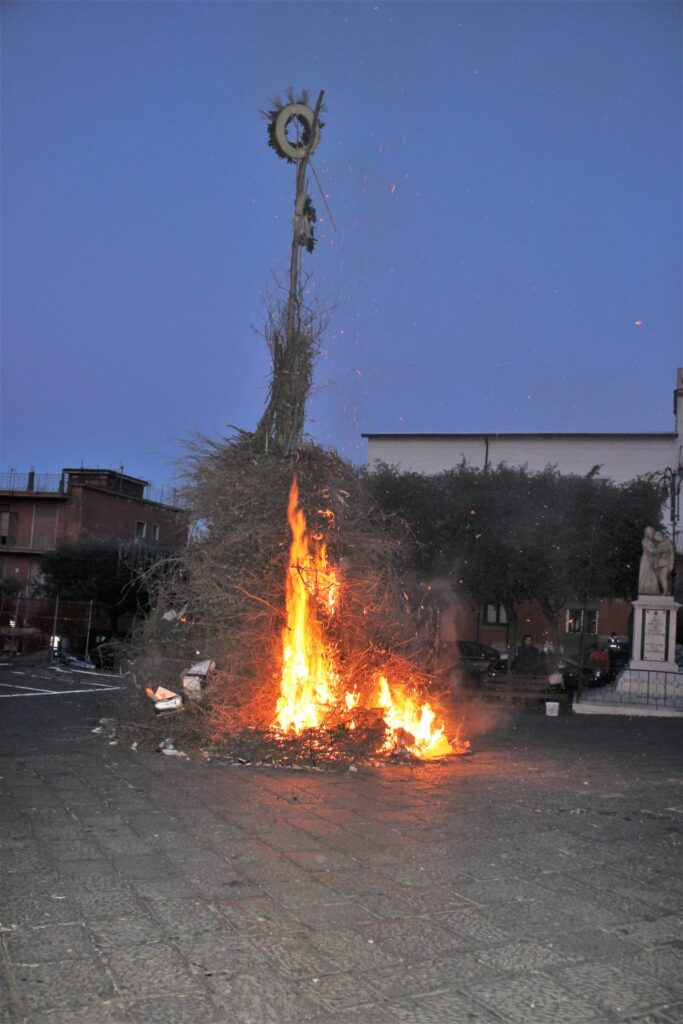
411 723
310 685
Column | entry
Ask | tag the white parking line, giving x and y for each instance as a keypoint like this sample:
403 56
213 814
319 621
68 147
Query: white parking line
56 693
100 675
18 686
81 671
102 686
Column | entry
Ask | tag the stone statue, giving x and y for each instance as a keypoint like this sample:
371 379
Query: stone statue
664 561
656 563
647 580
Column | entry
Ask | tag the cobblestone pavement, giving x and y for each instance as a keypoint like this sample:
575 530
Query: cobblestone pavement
537 881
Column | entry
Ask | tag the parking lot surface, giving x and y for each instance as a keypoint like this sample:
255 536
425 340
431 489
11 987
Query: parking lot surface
538 880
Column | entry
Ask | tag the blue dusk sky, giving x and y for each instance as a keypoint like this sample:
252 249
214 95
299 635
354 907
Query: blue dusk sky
504 179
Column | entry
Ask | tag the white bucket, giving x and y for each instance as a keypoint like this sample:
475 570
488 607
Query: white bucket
552 708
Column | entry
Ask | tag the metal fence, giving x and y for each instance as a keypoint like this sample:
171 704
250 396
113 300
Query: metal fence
55 482
637 689
27 623
44 482
165 496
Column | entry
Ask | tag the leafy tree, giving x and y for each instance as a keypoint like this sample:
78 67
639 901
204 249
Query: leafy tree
9 586
100 573
507 535
471 528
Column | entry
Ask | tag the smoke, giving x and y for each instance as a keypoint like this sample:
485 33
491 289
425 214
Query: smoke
444 617
471 717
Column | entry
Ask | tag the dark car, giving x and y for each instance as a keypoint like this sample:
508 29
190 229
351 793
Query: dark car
471 656
460 663
70 661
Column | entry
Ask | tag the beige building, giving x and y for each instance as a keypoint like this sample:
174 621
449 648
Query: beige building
621 457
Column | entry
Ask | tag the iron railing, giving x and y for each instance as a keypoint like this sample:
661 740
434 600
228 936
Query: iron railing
55 483
43 482
638 688
165 496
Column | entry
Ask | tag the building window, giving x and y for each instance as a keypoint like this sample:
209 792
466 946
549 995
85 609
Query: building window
574 620
140 530
5 528
495 615
155 531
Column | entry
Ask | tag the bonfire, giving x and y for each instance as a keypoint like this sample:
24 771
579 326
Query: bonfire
313 693
339 671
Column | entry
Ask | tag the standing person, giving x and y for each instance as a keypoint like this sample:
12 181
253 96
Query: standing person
598 660
618 652
528 659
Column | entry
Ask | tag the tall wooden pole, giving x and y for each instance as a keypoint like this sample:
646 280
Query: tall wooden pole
292 343
296 247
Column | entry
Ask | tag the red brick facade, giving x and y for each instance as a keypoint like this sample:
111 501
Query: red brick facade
469 622
82 505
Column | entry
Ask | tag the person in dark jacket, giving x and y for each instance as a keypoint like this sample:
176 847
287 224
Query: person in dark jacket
528 659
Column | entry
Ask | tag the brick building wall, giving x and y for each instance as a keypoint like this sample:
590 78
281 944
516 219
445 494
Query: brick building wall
465 621
86 505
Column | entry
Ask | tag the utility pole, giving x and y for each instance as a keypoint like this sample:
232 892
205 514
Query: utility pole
87 635
584 609
673 481
54 630
16 624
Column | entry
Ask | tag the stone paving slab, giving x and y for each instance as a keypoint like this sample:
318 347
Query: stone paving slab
538 880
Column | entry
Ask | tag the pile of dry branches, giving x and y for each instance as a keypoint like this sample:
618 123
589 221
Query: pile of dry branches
223 597
227 587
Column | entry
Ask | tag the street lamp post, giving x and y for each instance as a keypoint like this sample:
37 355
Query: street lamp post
584 609
673 479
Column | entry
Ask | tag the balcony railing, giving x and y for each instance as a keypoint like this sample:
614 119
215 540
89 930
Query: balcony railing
165 496
55 483
43 482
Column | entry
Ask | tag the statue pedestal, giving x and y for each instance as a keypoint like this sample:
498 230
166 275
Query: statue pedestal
652 683
654 633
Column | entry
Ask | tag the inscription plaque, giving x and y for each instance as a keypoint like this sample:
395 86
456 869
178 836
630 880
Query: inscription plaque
655 624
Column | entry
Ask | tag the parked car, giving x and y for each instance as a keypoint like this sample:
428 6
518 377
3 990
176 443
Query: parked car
474 657
70 661
569 670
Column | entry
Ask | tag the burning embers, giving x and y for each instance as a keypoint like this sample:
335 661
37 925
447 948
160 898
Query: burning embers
411 724
312 692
